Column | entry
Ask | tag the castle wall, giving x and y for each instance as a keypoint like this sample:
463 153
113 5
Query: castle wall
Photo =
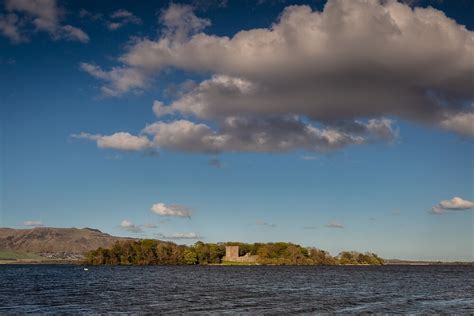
245 259
232 255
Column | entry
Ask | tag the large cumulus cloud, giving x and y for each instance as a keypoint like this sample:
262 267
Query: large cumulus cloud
361 59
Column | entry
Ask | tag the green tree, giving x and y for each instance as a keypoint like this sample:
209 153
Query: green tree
190 257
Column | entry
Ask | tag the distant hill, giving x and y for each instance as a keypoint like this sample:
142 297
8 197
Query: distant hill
48 240
421 262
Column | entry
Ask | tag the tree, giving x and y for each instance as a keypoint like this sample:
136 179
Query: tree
190 257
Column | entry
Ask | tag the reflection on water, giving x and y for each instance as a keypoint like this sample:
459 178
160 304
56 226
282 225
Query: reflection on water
243 289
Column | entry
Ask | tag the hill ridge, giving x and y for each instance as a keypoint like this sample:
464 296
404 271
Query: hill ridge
54 240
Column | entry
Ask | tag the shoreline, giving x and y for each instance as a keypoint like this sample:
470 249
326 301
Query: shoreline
226 264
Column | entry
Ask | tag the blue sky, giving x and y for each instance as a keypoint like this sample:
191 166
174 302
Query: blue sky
234 146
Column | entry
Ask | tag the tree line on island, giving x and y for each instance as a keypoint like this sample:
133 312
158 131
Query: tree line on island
156 252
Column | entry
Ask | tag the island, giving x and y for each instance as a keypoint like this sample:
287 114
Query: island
156 252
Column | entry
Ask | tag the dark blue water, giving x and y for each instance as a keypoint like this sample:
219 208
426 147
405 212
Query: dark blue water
257 289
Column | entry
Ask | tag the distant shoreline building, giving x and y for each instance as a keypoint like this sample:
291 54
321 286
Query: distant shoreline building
232 255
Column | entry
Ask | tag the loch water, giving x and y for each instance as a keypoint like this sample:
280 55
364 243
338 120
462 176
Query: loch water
236 289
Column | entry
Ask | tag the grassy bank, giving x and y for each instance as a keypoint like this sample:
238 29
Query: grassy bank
14 255
231 263
7 257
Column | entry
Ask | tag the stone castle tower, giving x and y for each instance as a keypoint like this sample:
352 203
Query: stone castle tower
231 252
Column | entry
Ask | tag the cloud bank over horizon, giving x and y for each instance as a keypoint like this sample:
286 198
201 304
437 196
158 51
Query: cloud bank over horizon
33 223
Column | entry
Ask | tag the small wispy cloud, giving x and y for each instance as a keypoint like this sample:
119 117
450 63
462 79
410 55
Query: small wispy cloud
171 210
114 157
334 225
263 223
309 227
396 212
121 18
215 162
83 13
33 223
130 227
455 204
180 236
119 141
149 225
7 61
204 5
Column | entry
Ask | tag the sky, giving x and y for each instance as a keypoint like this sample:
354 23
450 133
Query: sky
343 125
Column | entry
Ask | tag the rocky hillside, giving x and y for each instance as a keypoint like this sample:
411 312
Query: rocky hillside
47 240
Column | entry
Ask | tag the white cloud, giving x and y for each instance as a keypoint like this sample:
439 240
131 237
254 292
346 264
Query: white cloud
334 225
119 141
124 14
461 123
171 210
83 13
114 25
122 79
44 15
74 34
160 109
33 223
180 22
10 27
124 141
455 204
204 5
178 236
121 18
263 223
129 226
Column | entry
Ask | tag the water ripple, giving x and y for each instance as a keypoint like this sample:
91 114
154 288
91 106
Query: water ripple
244 290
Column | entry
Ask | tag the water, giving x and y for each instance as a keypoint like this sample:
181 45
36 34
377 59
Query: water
257 289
